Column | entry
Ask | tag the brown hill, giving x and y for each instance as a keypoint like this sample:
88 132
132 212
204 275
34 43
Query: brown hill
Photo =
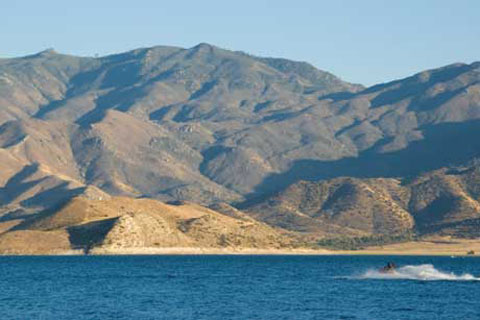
119 224
342 206
443 202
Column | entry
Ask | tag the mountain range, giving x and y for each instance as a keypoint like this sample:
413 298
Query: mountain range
287 146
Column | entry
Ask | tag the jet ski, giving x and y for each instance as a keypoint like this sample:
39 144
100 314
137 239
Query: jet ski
389 268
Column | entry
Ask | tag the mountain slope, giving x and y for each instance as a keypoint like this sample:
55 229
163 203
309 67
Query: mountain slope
444 202
210 125
122 224
173 106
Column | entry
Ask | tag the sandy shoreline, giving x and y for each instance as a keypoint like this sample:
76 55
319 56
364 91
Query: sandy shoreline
427 247
207 251
420 248
431 247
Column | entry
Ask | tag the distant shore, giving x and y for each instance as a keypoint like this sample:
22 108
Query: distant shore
431 247
208 251
434 247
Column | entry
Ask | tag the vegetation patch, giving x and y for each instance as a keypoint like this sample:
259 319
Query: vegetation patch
358 243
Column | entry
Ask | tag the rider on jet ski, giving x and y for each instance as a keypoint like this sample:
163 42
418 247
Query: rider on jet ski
389 268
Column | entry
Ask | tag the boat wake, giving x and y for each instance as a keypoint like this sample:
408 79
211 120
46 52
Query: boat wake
425 272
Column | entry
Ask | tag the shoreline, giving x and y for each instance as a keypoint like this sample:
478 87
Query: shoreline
431 247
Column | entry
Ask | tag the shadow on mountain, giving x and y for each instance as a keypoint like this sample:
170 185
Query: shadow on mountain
60 201
53 196
355 123
280 116
52 199
434 214
12 133
88 235
337 96
17 185
120 100
460 139
159 114
17 214
206 87
263 105
52 106
78 84
413 86
210 154
436 101
183 115
121 75
468 228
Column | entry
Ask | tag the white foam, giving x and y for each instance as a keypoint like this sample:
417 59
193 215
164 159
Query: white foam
426 272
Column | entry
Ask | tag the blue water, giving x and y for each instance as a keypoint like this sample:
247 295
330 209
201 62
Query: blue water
236 287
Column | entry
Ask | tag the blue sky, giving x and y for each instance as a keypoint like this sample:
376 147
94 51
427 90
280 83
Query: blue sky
368 41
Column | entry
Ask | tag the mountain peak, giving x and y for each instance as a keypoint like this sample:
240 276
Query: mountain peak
204 45
203 48
47 52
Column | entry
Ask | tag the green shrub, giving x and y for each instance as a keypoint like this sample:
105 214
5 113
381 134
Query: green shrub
357 243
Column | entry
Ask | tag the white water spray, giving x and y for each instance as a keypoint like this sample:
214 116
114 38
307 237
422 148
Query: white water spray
426 272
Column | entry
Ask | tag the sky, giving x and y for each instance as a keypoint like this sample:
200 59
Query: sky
367 42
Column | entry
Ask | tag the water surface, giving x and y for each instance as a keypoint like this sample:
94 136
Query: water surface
238 287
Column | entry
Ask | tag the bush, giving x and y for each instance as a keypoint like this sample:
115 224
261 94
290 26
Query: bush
357 243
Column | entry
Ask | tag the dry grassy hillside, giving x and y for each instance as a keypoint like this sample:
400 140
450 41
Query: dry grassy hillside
119 224
442 202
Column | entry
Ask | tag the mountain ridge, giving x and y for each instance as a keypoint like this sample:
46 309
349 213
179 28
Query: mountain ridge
212 126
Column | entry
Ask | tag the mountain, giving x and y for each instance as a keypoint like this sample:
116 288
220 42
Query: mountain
160 122
443 202
222 128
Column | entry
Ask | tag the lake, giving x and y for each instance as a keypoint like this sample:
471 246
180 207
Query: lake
238 287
